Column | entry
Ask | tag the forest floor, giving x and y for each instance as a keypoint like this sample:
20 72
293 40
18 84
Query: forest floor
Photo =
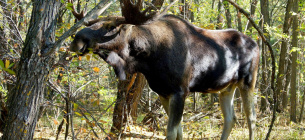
206 124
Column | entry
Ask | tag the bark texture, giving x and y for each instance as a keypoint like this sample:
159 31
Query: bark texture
283 100
128 96
293 84
32 74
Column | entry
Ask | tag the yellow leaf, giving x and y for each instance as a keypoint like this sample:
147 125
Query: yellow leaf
65 120
102 121
75 105
96 69
105 77
29 93
62 49
80 58
83 130
7 63
88 57
78 114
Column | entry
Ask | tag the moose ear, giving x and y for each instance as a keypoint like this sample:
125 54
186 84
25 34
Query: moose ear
118 64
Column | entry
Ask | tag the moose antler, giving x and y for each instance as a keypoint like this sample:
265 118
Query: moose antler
77 15
83 13
132 11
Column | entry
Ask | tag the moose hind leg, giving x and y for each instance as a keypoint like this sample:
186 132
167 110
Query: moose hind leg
248 105
226 103
174 108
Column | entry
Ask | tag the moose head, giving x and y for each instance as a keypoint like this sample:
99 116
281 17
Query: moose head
92 37
176 58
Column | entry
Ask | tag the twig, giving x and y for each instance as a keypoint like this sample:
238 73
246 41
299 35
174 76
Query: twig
81 111
59 129
74 93
93 119
196 117
72 129
247 14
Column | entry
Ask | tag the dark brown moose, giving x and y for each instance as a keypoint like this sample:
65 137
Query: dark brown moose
177 58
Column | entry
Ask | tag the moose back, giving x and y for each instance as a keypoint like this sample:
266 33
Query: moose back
176 58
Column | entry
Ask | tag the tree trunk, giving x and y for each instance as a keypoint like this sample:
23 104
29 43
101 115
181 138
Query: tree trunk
302 108
239 23
128 96
252 11
265 71
264 82
219 17
32 74
134 96
283 100
228 14
294 64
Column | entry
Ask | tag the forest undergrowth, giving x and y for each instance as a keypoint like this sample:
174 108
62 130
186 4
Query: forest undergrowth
205 123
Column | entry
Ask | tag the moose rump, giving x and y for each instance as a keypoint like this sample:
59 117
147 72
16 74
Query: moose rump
176 58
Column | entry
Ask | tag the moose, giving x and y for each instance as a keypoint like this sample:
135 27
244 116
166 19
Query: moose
177 58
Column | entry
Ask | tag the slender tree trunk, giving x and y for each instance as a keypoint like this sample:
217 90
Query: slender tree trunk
219 17
265 71
128 96
228 14
302 108
252 11
283 100
32 74
294 64
263 84
239 23
135 95
211 18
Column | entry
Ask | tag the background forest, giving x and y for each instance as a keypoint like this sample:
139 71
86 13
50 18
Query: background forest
67 96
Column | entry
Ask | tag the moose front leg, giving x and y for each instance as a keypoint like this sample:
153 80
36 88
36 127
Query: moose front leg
173 106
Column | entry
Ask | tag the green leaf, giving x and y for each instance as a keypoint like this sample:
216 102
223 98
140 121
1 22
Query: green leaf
69 8
11 65
1 64
295 49
69 4
9 71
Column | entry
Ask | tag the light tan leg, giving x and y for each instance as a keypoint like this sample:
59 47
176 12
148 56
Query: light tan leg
227 107
248 105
